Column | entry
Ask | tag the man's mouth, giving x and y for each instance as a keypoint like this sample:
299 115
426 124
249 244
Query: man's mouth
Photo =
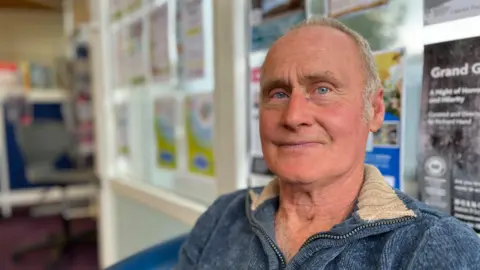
297 144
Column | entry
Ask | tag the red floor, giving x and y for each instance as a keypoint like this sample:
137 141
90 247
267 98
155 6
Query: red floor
22 229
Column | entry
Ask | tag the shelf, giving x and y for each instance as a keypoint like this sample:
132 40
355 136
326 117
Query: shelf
47 95
40 95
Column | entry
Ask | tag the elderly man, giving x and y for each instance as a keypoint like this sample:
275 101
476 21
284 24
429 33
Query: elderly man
326 209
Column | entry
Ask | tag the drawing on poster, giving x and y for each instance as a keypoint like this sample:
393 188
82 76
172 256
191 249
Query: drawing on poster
200 123
165 123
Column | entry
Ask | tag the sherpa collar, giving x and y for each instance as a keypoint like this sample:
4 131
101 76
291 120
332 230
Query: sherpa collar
377 199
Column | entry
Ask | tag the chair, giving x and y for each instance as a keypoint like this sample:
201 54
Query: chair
158 257
42 143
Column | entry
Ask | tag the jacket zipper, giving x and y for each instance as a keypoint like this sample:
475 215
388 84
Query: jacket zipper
329 236
354 231
274 246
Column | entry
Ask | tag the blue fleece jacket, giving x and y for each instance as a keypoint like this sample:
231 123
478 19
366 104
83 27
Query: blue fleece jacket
386 230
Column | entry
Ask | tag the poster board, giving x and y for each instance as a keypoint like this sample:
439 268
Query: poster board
449 149
384 146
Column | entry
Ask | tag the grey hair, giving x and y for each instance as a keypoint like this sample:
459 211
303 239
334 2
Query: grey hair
372 82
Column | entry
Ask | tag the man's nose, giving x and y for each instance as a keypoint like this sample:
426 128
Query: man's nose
296 112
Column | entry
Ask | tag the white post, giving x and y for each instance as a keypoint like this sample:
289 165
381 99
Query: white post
99 40
231 90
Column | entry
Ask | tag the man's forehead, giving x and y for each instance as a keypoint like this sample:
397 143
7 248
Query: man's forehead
311 50
310 36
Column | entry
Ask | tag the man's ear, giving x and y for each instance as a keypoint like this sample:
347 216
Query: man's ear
378 111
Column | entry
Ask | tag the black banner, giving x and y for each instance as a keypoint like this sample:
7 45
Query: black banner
449 160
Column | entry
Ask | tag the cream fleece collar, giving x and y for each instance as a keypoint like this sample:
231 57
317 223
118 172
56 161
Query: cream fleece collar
377 199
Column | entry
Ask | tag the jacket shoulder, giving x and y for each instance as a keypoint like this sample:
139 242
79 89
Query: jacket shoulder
442 241
225 209
447 244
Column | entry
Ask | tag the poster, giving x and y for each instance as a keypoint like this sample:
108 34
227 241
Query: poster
135 58
258 165
200 124
192 38
271 19
165 125
116 9
383 149
131 5
438 11
160 61
255 143
449 156
179 39
120 58
122 123
337 8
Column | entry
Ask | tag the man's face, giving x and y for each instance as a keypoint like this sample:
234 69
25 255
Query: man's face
311 114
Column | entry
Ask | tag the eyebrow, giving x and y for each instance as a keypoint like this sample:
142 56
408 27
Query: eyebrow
312 78
326 76
273 84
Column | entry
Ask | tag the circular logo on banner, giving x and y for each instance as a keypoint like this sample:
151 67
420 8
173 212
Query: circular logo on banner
435 166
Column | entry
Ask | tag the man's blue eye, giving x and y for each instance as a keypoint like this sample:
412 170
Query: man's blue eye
322 90
280 95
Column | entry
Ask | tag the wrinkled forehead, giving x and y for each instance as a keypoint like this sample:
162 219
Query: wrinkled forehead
312 50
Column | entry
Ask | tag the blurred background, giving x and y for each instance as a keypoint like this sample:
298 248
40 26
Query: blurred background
122 120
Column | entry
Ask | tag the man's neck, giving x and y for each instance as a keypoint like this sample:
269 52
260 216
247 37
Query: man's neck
306 210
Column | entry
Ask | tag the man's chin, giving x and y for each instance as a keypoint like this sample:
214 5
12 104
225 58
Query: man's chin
299 177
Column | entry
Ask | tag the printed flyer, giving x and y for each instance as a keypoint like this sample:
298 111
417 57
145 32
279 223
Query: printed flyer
165 124
438 11
449 156
192 32
179 39
199 125
122 120
120 57
384 148
160 61
136 68
337 8
116 9
271 19
131 6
